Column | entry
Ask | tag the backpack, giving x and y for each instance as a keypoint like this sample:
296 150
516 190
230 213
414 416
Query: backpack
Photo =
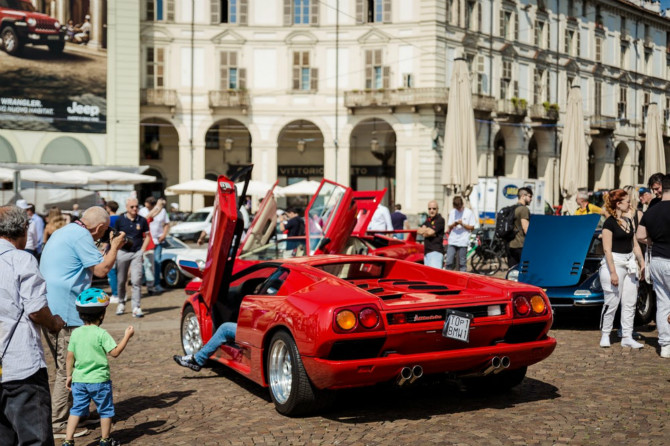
505 229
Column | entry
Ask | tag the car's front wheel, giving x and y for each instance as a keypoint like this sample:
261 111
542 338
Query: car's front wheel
191 339
173 276
11 42
645 310
290 388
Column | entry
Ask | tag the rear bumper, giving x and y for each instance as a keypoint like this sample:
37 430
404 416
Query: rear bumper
327 374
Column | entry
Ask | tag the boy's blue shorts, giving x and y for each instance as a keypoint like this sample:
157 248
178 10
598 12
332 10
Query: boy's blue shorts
100 393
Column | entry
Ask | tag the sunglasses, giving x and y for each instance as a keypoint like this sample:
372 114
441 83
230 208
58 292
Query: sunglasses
432 209
132 207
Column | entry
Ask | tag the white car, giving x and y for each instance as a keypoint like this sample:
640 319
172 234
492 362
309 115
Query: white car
194 225
173 275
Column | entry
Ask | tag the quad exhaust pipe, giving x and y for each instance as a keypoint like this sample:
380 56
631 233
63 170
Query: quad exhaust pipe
409 375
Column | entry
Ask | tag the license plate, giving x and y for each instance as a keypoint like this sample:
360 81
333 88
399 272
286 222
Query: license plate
53 37
457 326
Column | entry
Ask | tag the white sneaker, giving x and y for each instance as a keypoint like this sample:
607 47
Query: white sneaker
605 341
120 309
665 351
137 312
630 342
114 300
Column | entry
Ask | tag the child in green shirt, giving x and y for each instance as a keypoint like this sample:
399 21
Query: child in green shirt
88 374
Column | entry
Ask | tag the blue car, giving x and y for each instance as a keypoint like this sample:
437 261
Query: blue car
562 255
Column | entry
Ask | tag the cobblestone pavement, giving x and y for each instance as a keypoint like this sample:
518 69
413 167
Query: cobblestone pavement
582 394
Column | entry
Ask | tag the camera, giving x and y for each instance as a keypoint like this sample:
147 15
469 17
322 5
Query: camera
109 234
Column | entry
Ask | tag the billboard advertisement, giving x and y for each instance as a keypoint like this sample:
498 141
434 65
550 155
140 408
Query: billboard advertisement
53 65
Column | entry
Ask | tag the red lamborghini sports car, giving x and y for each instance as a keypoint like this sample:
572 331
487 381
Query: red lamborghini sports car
308 325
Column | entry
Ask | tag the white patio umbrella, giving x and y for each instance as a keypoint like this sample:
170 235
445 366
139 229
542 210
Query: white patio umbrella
200 186
304 187
459 155
574 152
654 152
119 177
82 175
259 188
38 176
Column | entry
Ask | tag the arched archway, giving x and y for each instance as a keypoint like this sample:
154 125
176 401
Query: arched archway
620 155
66 150
299 152
159 148
532 158
154 189
499 155
373 157
227 147
7 154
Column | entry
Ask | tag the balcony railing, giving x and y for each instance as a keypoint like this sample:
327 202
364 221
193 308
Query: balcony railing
158 97
395 97
603 122
539 111
483 103
507 107
229 99
625 35
648 42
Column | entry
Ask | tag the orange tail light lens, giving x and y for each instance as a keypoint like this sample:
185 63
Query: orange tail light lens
538 304
346 320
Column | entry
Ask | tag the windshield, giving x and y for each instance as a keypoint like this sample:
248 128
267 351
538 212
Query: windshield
321 213
175 243
354 270
197 217
282 249
21 5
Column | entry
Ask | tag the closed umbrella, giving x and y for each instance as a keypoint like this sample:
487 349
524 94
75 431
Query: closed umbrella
574 152
459 155
654 152
304 187
201 186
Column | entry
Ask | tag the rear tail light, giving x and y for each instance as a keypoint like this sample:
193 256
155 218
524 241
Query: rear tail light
521 305
368 318
537 304
346 320
528 304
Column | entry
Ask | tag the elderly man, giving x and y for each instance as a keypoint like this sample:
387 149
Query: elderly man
25 403
645 199
585 207
432 231
69 262
130 256
654 230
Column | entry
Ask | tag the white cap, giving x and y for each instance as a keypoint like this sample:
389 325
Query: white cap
174 206
23 204
88 17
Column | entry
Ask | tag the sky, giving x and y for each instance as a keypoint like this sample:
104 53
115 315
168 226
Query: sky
665 4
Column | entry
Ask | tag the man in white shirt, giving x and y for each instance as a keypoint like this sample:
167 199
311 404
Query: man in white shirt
460 224
32 242
381 220
159 226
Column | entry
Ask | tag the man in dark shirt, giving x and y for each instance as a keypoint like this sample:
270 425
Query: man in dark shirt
398 221
294 225
657 188
129 258
432 231
521 222
654 230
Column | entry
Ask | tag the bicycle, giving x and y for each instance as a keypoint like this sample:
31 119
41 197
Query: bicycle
485 259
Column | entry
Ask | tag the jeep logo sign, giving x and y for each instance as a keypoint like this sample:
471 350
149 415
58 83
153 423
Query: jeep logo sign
86 110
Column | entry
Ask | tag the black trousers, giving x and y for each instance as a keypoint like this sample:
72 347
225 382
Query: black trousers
25 411
513 256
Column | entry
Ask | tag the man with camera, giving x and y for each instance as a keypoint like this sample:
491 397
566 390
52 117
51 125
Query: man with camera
69 261
131 254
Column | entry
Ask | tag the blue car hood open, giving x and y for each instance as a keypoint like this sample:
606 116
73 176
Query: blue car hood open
555 249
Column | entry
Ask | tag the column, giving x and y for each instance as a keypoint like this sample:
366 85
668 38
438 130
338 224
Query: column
191 166
485 134
97 15
406 181
264 159
62 12
547 160
516 152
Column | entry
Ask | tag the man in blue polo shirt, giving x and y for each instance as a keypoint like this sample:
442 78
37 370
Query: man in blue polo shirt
129 259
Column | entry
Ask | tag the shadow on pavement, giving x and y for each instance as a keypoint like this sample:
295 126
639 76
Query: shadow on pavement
131 406
423 401
245 383
152 310
127 436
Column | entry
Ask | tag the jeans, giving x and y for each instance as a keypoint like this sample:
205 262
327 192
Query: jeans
462 252
660 274
62 398
225 333
25 417
158 256
113 281
433 259
148 268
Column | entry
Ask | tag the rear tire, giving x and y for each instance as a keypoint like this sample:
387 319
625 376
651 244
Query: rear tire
173 276
191 338
11 42
486 261
290 388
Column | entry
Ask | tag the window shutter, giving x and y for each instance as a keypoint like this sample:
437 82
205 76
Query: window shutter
296 78
314 79
516 26
368 77
386 73
224 70
387 11
314 19
215 11
360 15
170 11
242 12
287 13
242 78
